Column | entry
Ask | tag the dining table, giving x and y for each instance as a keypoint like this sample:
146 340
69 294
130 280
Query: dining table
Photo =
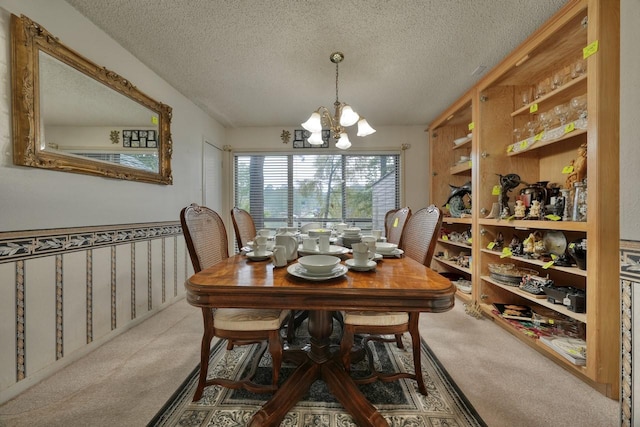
396 284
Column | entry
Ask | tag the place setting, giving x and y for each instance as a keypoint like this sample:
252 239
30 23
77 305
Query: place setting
363 258
258 249
388 250
320 245
317 268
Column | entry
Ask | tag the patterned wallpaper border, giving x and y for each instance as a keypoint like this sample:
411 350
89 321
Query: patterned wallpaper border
629 282
31 244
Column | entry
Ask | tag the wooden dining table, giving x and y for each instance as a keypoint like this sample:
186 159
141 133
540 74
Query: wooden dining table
396 284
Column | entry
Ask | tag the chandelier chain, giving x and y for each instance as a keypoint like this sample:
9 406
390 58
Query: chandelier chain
337 102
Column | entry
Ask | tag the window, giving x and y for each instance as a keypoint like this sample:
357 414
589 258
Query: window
294 189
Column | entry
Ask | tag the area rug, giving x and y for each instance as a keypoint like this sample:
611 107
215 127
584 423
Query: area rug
399 402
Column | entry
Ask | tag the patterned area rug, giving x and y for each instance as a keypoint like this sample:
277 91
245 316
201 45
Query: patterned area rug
399 401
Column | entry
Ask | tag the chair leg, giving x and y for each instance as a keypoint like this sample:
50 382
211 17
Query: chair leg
399 341
346 345
205 349
415 341
275 349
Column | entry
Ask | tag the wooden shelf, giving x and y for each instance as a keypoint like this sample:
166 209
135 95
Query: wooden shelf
564 93
461 168
460 245
463 145
536 225
581 317
543 143
570 270
452 265
451 220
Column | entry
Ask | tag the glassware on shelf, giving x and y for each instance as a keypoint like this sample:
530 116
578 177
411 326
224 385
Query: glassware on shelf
578 68
578 106
525 96
517 135
546 118
541 89
565 194
579 202
562 113
557 80
531 126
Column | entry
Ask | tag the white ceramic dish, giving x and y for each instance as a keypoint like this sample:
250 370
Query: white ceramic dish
318 264
253 257
462 140
385 247
333 250
371 265
393 253
297 271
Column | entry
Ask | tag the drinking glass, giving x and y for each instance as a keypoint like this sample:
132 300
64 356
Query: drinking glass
557 80
579 106
579 68
562 113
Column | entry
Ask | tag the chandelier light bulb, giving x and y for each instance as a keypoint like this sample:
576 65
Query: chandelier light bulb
364 128
314 123
343 143
348 117
315 138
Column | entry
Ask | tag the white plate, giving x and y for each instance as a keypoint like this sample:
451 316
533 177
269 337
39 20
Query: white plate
270 245
393 253
371 265
298 271
333 250
253 257
461 140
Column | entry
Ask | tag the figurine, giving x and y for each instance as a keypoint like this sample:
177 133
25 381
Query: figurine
520 209
579 168
534 210
457 207
507 184
499 241
528 246
516 246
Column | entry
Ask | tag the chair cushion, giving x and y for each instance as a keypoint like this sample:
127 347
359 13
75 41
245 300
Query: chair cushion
248 319
376 318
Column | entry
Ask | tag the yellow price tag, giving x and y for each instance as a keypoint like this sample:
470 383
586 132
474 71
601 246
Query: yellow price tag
509 148
554 257
472 126
590 49
491 245
570 127
548 264
395 222
445 237
526 241
572 245
506 252
470 163
154 120
551 321
447 206
524 144
533 108
552 217
538 137
470 240
495 191
567 169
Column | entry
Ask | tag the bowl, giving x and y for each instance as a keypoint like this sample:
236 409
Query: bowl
509 274
318 264
317 232
385 247
352 231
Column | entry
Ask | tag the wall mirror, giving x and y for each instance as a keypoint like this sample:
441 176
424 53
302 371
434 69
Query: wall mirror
70 114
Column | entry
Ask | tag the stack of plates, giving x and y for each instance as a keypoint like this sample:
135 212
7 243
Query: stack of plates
298 270
350 236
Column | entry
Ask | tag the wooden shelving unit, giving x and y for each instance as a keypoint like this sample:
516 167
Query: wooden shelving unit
582 29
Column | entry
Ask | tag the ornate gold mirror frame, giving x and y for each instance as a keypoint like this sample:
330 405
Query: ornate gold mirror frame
30 42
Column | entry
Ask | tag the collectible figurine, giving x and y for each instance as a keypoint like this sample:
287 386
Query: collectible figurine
534 210
507 184
520 209
456 202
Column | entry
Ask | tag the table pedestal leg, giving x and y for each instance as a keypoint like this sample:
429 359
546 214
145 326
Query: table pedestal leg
320 364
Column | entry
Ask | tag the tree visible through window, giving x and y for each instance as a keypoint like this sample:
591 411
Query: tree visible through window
296 189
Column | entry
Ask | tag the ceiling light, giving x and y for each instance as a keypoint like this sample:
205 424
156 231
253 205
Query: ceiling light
343 116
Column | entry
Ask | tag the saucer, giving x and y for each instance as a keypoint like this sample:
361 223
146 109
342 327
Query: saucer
298 271
393 253
371 265
333 250
253 257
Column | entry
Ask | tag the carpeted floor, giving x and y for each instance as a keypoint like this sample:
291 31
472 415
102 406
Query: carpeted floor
399 402
126 381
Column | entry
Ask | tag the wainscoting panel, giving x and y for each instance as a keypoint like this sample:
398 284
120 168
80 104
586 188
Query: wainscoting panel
74 301
630 294
8 324
65 291
39 314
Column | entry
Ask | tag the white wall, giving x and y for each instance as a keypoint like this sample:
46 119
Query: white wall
629 120
36 198
387 138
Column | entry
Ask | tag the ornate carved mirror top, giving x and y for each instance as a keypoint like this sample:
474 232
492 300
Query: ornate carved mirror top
70 114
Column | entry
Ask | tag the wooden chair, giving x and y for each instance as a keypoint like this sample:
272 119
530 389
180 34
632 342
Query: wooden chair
243 226
419 239
394 222
206 239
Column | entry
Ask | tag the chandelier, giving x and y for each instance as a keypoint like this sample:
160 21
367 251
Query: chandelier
343 116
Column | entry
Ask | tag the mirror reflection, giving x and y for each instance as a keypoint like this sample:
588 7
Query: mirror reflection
73 115
83 117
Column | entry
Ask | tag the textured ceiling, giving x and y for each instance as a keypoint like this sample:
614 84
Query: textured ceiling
266 62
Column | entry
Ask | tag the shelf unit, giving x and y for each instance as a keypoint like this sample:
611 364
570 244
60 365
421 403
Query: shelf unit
586 29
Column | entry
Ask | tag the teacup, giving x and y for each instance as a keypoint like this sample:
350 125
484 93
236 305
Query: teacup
371 243
377 234
360 259
309 243
323 243
265 232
